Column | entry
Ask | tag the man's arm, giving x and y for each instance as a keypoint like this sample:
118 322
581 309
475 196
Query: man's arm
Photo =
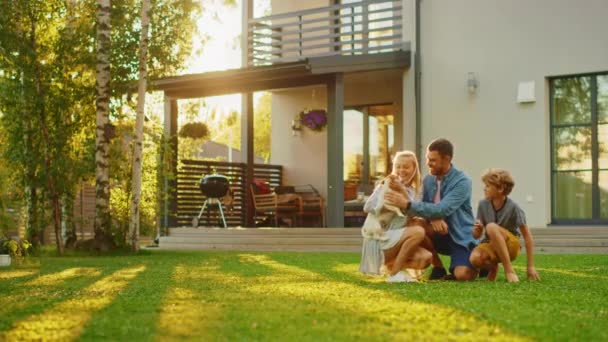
448 204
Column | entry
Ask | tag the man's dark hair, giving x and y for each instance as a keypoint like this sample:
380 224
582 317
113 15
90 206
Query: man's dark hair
443 146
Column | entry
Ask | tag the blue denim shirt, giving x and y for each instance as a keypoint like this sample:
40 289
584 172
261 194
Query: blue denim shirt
454 207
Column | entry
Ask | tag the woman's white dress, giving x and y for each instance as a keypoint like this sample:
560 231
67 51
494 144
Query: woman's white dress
372 256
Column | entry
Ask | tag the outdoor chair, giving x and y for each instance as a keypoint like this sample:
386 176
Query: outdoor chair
313 206
268 207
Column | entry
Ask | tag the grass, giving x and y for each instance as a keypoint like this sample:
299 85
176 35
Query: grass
291 296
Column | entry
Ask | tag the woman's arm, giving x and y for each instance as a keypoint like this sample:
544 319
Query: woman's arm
375 201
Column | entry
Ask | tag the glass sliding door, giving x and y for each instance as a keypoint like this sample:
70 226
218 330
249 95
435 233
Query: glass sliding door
368 144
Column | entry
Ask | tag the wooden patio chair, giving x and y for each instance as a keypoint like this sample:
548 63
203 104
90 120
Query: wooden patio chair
313 205
267 206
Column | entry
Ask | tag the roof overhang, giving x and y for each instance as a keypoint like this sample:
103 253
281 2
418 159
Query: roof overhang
311 71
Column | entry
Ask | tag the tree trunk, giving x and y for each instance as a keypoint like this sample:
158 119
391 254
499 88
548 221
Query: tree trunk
31 223
68 228
139 126
102 185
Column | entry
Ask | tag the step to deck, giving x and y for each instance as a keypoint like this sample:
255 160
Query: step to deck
572 240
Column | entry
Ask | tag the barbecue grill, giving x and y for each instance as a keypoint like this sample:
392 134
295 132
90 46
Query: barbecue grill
214 187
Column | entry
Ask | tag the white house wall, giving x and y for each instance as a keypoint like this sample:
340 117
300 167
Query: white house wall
504 43
304 157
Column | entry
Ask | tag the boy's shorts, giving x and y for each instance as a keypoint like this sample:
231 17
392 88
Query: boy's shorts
459 255
513 247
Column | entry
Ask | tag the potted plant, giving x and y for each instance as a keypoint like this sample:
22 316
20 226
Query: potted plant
5 258
314 119
11 248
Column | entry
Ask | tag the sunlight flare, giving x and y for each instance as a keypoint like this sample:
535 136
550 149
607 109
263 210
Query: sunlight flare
65 320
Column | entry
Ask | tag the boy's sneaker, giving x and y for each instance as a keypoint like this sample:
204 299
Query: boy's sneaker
438 273
400 277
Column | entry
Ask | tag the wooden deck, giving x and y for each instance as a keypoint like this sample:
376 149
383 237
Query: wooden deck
566 240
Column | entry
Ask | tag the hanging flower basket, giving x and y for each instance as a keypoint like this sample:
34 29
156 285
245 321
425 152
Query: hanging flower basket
315 119
194 130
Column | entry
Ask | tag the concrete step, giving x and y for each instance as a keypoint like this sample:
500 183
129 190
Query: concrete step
264 231
262 248
339 240
573 240
570 250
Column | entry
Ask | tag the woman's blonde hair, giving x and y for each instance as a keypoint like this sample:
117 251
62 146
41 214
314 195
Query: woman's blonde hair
415 180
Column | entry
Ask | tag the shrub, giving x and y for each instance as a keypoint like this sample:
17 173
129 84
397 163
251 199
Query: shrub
15 248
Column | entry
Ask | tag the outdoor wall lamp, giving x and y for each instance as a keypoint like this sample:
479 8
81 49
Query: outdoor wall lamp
296 127
472 83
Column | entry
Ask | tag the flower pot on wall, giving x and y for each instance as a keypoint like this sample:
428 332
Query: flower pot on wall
5 260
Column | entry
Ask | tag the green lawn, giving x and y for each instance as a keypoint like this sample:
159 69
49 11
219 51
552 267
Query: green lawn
292 296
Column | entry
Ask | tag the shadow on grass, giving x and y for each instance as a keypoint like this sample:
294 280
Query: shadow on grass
132 314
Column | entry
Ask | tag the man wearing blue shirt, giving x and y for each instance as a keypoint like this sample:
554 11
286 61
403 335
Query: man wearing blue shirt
446 204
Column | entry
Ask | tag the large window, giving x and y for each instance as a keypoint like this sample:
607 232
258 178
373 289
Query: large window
579 144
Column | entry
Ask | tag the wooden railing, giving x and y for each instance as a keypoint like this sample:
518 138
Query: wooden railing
190 198
356 28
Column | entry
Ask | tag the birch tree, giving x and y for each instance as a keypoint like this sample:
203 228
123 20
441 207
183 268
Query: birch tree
103 127
139 126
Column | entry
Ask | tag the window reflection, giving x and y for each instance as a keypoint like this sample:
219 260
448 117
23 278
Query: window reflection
572 148
602 138
573 195
353 145
603 180
572 100
380 144
602 99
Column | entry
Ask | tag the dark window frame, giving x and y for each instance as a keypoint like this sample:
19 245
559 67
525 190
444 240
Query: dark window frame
596 214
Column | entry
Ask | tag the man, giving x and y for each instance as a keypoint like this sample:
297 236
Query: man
446 204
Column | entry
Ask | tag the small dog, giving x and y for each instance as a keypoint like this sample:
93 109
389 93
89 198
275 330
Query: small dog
379 217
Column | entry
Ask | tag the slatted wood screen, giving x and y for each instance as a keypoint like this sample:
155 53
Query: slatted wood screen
84 215
190 199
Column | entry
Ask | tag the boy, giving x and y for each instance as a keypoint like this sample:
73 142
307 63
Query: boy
503 221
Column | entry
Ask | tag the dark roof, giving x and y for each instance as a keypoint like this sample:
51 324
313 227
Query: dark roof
317 70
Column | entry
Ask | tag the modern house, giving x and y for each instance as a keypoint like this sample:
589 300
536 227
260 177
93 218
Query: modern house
521 85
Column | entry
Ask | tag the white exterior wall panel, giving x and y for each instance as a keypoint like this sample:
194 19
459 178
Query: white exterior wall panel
504 43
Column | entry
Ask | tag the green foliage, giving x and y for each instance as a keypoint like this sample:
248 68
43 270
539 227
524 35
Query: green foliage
8 194
15 248
172 23
262 126
121 165
46 98
47 85
228 130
